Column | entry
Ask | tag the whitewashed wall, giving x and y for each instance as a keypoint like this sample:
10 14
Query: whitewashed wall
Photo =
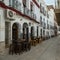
2 25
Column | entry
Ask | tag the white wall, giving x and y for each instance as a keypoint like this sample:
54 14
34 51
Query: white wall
2 25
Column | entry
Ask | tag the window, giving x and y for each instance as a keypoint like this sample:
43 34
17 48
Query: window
47 24
40 17
13 3
17 3
19 6
2 0
47 15
38 0
41 20
40 8
43 32
43 10
59 28
24 3
10 3
58 2
44 24
31 6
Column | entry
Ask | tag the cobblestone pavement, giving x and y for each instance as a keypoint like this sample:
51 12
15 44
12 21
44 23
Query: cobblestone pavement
47 50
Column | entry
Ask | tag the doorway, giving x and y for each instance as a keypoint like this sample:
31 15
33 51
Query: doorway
15 31
25 32
32 32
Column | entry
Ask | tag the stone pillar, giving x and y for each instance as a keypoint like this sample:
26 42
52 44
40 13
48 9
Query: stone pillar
2 31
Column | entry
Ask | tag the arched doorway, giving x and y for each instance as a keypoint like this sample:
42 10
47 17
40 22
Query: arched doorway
15 31
25 32
32 32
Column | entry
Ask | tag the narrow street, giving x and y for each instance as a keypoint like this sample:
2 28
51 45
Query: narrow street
47 50
29 29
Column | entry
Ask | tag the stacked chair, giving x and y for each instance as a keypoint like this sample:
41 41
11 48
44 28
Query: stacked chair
19 45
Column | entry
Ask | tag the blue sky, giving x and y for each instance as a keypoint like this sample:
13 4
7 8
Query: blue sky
50 2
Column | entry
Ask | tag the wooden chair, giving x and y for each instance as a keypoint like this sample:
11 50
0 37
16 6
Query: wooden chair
26 46
15 47
11 49
34 42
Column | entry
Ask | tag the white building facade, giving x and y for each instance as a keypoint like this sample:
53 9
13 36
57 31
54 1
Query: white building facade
57 4
19 16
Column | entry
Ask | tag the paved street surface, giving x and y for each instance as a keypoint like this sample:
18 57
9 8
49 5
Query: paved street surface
47 50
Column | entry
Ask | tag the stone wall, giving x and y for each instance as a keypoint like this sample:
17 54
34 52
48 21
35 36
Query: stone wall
2 47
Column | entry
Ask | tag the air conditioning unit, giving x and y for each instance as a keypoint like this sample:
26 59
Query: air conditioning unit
10 14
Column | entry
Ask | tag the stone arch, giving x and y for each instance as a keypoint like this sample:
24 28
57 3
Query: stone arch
25 31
